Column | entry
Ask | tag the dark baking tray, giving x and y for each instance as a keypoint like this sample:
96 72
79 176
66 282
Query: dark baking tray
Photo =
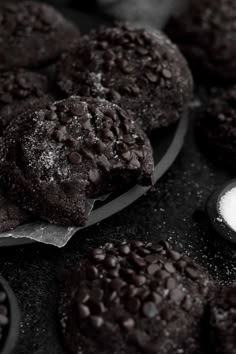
166 143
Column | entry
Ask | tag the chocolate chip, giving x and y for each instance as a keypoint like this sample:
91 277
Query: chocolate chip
84 311
187 304
96 321
191 272
152 77
114 273
94 176
131 291
111 261
98 255
97 308
75 158
138 280
96 295
167 73
117 284
137 260
141 51
114 95
143 294
104 163
133 305
113 296
128 323
174 255
91 272
137 244
83 296
152 258
153 268
124 249
127 155
169 267
134 163
156 298
51 115
109 113
171 283
149 309
176 295
163 274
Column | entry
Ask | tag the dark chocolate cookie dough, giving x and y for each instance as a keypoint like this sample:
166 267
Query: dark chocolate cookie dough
54 159
11 215
216 128
206 33
223 322
136 68
33 34
21 90
133 298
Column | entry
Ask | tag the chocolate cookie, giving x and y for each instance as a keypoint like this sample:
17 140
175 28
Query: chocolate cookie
53 160
32 34
223 322
133 298
206 34
21 90
216 128
11 215
136 68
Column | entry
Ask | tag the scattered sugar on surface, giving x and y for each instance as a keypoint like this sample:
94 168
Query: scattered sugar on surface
227 208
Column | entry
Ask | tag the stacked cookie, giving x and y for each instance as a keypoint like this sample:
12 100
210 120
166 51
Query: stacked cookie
206 33
81 133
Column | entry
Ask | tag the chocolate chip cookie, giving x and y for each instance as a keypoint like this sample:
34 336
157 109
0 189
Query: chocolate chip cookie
216 128
22 90
53 160
136 68
133 297
33 34
206 34
223 322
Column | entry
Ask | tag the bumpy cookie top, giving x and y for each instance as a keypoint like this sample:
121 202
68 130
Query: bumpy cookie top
26 17
19 91
20 84
206 32
219 119
32 33
137 68
214 16
143 297
77 148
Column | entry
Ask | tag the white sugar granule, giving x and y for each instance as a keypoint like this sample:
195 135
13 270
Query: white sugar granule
227 208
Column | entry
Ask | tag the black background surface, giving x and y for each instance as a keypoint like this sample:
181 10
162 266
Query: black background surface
173 210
